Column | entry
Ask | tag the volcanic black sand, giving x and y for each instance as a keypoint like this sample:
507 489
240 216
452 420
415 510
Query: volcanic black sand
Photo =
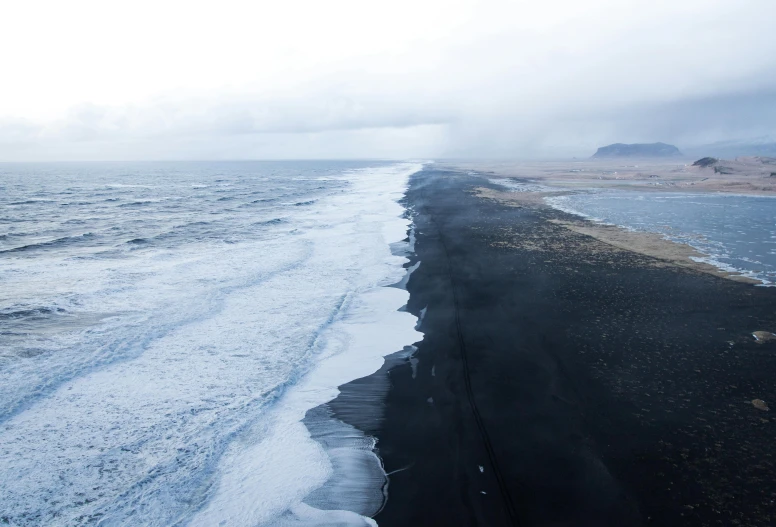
565 382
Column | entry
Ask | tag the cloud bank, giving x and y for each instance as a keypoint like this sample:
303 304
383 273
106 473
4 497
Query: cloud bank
454 79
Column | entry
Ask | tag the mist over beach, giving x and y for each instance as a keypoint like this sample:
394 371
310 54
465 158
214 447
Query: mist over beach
473 262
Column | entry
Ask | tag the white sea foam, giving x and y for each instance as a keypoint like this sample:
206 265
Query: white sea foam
184 403
369 328
521 186
563 204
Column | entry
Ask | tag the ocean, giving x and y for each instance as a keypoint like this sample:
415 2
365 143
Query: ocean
735 232
164 327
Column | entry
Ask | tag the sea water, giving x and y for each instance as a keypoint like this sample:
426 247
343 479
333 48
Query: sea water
735 232
164 327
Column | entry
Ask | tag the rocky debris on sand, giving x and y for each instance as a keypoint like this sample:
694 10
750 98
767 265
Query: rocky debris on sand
763 336
760 405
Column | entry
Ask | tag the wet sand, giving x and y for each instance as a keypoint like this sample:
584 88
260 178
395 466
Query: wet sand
567 381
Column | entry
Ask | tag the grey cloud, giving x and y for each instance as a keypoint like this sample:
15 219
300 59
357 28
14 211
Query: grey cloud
303 114
706 119
641 77
220 127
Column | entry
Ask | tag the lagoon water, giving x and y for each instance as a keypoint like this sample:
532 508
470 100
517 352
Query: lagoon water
157 323
736 233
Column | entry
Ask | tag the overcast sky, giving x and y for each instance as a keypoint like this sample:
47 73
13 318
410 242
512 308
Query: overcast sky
362 79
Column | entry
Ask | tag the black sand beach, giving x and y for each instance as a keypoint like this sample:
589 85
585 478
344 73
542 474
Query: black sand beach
565 382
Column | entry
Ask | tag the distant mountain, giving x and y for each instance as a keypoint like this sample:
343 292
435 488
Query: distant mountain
706 162
760 146
638 150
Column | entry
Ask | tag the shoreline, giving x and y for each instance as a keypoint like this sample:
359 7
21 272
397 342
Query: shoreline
648 175
299 465
571 383
652 244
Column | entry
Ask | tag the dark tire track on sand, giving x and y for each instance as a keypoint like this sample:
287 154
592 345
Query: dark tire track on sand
494 464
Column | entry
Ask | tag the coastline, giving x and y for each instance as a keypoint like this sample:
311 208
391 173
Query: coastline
647 175
300 465
665 251
570 383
